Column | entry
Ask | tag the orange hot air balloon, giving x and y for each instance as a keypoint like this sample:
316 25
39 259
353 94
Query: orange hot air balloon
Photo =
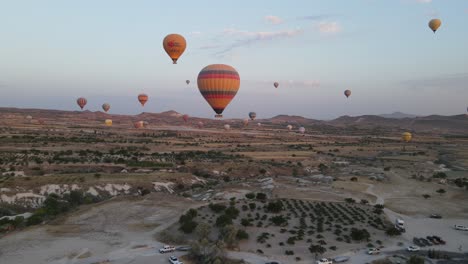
218 83
108 122
81 102
143 98
106 107
139 124
276 84
347 93
175 45
434 24
185 117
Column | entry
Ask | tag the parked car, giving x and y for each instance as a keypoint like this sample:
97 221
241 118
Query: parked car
425 242
174 260
435 216
373 251
418 242
433 240
460 227
440 240
324 261
413 248
166 249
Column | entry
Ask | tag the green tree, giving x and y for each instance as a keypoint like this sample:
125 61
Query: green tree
317 250
229 235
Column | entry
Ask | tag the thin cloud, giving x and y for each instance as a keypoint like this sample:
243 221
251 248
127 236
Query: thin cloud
329 27
424 1
195 33
245 38
314 17
210 46
275 20
444 82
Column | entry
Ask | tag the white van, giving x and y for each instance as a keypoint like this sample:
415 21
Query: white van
400 224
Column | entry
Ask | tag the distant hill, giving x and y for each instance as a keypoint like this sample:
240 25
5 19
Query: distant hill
398 115
399 121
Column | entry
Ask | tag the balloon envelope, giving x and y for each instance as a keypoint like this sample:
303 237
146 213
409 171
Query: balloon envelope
81 102
106 107
174 45
185 117
227 127
276 84
139 124
143 98
302 130
406 136
108 122
289 127
246 122
252 115
187 81
434 24
347 93
218 84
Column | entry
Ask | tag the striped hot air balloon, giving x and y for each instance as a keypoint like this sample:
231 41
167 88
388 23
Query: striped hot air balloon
218 84
81 102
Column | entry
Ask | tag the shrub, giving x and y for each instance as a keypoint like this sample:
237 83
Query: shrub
223 220
250 195
242 235
252 206
188 226
275 207
217 208
261 196
393 231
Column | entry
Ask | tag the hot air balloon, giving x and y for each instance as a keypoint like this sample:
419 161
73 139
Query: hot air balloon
185 117
200 124
139 124
108 122
347 93
276 84
259 124
289 127
175 45
143 98
106 107
246 122
406 136
302 130
187 81
29 117
434 24
227 127
81 102
218 83
252 115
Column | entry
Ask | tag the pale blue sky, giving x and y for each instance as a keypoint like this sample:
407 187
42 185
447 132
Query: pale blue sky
52 52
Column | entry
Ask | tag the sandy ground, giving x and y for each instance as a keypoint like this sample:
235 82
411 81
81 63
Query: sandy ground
119 230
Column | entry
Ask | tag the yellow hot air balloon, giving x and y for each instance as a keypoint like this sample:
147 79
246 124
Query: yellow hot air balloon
218 83
406 136
434 24
108 122
175 45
